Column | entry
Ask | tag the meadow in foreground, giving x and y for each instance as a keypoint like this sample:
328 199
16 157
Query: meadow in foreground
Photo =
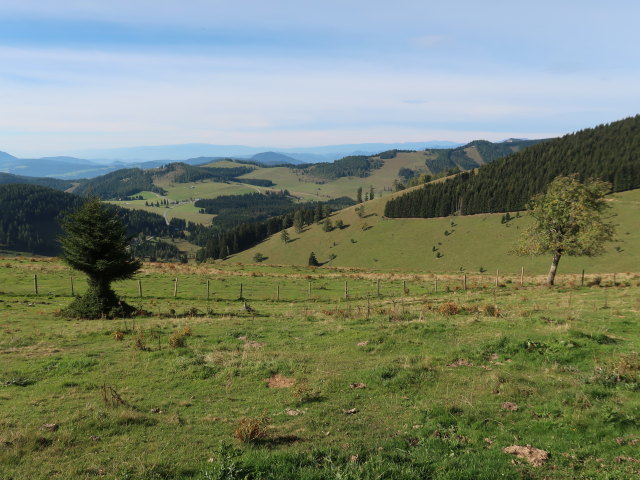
409 384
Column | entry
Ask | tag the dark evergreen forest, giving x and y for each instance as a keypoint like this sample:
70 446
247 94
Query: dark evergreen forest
55 183
30 213
609 152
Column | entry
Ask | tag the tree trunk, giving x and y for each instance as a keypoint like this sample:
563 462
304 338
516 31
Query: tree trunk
554 266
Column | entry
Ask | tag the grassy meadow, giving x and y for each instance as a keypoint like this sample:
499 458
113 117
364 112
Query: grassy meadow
468 244
300 382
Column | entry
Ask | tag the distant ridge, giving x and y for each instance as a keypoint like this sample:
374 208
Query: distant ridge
271 158
192 150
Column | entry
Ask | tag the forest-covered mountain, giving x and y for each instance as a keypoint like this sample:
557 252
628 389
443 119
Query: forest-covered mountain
609 152
9 178
473 154
119 184
30 214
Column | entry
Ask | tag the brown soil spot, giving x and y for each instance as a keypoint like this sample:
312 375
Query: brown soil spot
512 407
280 381
461 362
534 456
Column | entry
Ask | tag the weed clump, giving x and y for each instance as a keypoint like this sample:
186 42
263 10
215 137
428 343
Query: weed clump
449 308
178 339
253 429
302 392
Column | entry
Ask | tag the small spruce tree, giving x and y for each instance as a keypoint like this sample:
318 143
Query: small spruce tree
95 242
313 261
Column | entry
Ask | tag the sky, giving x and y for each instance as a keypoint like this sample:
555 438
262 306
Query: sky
85 74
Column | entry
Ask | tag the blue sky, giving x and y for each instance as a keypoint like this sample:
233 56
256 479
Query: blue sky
81 74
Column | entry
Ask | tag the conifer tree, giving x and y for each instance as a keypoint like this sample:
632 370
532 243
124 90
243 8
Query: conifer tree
95 243
313 261
298 222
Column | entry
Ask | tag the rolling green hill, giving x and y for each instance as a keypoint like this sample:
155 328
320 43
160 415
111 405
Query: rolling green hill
466 243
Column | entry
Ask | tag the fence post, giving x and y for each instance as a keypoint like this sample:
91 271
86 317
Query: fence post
404 287
368 305
278 292
175 287
378 287
497 277
35 283
140 288
522 276
72 292
464 282
208 289
346 291
241 295
436 284
582 278
309 293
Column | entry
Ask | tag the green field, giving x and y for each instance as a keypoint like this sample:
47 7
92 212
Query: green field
411 384
451 244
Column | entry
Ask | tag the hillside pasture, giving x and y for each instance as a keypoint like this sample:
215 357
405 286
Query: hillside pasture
464 244
411 384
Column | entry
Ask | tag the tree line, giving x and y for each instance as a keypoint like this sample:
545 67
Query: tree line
608 152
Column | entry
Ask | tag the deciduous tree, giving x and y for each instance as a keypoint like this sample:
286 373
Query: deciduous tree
568 219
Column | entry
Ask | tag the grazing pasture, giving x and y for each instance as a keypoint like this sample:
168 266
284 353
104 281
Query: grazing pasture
304 378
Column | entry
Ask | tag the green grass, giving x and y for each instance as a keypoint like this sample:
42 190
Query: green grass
451 244
565 356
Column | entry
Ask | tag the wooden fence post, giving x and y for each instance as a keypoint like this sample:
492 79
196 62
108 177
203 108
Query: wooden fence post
140 288
346 290
522 276
404 287
368 305
497 277
582 278
35 283
241 293
175 288
309 293
72 292
436 284
464 282
378 287
278 292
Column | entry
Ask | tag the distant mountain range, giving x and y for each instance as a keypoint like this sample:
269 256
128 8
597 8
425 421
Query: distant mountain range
92 163
301 154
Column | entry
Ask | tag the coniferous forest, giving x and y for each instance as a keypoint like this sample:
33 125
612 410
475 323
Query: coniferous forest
30 214
609 152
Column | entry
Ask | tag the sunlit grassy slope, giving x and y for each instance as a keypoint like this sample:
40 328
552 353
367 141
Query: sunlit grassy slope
311 188
305 187
451 244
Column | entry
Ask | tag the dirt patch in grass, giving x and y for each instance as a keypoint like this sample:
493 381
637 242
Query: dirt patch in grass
534 456
280 381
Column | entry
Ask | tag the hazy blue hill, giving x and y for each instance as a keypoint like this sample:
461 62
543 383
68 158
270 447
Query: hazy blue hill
270 158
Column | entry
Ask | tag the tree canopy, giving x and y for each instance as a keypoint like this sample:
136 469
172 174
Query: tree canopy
569 219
